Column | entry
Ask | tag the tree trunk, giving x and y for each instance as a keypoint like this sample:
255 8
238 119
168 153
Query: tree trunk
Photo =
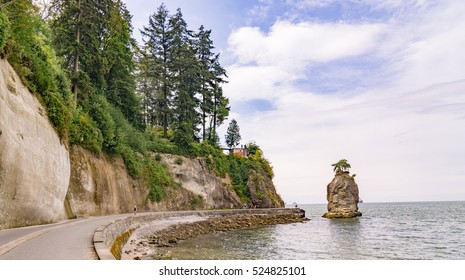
76 54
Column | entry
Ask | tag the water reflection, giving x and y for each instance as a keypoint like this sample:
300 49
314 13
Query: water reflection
346 238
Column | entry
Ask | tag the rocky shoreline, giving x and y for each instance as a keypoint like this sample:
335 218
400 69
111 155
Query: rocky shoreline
145 243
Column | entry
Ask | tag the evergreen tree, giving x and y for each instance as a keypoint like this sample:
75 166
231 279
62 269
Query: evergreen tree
119 61
146 88
233 136
180 78
156 56
211 76
94 38
78 28
221 106
184 67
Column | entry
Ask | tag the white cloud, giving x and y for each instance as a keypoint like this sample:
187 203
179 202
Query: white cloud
293 46
267 62
434 50
375 4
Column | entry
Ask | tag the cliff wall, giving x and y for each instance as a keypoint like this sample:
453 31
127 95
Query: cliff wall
194 175
100 185
34 164
262 191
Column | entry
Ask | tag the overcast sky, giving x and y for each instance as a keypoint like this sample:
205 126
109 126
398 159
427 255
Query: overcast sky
379 83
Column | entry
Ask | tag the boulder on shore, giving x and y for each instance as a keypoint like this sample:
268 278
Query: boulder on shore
342 196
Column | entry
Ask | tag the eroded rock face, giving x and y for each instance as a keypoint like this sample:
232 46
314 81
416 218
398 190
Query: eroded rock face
194 175
100 185
342 196
262 191
34 165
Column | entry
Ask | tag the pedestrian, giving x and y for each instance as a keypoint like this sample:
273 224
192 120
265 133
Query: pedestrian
135 210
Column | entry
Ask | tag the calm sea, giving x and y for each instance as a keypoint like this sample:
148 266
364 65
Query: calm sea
413 230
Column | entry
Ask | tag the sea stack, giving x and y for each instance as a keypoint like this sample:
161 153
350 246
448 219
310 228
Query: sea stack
342 193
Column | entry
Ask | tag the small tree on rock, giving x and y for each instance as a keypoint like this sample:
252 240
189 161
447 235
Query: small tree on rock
341 166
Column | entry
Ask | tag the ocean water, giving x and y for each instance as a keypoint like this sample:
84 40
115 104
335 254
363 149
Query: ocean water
390 231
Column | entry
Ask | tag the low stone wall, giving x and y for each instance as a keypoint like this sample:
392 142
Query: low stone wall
105 235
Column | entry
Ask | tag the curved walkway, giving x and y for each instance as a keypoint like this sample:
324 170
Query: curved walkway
68 240
74 239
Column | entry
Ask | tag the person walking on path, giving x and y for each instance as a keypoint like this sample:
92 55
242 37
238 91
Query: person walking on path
135 210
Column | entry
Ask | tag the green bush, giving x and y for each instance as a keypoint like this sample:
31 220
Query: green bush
197 201
4 29
159 179
58 112
100 112
164 146
126 133
133 161
83 131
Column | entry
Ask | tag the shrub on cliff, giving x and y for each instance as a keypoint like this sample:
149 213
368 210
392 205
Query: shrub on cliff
4 29
159 178
83 131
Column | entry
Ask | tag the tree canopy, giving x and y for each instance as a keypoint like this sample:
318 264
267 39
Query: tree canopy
341 166
233 135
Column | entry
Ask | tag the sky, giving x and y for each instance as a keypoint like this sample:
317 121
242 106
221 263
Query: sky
380 83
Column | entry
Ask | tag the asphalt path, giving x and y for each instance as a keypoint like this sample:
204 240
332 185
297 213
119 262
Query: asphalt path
68 240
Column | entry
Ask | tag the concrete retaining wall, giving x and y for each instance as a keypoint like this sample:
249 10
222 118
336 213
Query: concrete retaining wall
105 235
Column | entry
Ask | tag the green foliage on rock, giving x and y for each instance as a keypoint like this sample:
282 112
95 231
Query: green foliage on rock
83 131
197 201
160 180
341 166
237 168
4 29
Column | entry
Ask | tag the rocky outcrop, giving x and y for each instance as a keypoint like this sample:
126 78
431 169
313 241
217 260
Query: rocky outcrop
34 164
262 191
195 176
342 196
100 185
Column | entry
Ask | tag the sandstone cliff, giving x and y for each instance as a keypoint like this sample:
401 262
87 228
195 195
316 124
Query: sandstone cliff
100 185
34 164
195 176
342 196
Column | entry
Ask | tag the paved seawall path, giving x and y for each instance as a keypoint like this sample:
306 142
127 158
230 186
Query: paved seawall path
75 239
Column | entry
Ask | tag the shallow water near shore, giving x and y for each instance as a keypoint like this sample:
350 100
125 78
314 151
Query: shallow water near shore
409 230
